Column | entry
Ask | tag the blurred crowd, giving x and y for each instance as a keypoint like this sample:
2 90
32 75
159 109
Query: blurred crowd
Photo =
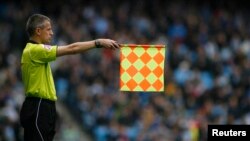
207 69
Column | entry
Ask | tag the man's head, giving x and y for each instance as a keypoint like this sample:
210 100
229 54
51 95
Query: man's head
39 28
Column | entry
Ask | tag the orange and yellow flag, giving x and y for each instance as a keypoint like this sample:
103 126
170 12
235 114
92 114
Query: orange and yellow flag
142 67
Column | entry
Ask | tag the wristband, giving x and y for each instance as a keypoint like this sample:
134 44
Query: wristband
97 44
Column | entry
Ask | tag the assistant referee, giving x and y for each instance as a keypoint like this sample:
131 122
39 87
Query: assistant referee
38 112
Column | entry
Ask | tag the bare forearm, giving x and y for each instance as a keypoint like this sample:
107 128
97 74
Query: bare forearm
80 47
74 48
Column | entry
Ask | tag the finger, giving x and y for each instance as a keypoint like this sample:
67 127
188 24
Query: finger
110 46
116 45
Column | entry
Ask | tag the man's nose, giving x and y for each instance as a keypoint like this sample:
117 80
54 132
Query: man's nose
51 33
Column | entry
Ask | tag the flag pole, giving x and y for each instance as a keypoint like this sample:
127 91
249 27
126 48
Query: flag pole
143 45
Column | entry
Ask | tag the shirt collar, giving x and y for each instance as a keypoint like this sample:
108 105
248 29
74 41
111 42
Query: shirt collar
33 42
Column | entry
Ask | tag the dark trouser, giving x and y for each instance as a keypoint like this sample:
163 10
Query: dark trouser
38 118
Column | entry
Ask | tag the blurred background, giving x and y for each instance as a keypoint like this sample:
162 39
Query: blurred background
207 70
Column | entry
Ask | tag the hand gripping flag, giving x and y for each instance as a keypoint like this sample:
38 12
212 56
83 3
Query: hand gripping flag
142 67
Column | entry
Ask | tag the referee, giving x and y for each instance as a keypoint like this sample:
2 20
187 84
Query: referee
38 112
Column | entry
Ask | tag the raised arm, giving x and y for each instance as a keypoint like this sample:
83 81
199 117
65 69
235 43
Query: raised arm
79 47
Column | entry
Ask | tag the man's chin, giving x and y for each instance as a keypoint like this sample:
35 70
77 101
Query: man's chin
47 42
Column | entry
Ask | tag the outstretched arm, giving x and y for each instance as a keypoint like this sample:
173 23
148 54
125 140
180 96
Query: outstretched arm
80 47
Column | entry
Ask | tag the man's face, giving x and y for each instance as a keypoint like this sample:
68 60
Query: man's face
46 33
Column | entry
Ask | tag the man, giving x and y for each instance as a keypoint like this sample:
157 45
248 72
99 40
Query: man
38 112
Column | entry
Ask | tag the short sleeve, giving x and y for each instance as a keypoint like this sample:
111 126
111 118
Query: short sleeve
43 53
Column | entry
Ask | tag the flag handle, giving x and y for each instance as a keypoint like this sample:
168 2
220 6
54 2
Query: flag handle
143 45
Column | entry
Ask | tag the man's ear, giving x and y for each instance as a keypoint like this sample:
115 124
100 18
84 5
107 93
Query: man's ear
38 31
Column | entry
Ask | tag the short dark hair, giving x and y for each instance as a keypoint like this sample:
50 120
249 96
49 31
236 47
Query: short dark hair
35 21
